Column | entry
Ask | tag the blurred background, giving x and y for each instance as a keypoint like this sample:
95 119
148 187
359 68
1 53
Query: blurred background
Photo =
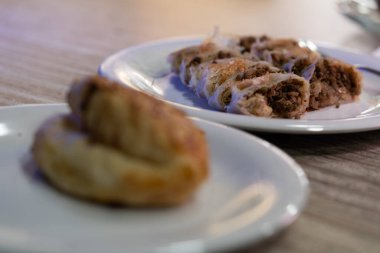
117 23
63 39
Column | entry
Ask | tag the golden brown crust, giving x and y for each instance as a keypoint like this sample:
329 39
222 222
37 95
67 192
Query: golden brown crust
332 82
129 147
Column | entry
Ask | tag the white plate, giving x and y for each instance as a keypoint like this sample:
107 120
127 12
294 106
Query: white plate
253 191
145 68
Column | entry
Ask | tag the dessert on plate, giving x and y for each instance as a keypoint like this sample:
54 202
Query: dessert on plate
117 146
263 76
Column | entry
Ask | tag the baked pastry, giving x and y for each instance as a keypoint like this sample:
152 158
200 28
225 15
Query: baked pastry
183 60
240 85
333 82
279 52
208 76
277 95
216 78
118 146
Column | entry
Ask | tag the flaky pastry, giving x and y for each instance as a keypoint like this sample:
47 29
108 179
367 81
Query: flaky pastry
121 146
309 80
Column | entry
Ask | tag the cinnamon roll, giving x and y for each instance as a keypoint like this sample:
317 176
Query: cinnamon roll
118 146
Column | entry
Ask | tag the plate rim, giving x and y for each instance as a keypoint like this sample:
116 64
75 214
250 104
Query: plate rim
244 239
286 126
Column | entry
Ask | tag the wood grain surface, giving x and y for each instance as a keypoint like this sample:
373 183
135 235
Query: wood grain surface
45 44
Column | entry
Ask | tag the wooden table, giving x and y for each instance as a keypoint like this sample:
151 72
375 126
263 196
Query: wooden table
45 44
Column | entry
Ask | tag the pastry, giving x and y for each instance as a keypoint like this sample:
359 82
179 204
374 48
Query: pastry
277 95
333 82
118 146
217 78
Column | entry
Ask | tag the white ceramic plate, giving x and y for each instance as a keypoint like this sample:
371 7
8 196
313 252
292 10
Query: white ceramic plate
145 68
253 191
